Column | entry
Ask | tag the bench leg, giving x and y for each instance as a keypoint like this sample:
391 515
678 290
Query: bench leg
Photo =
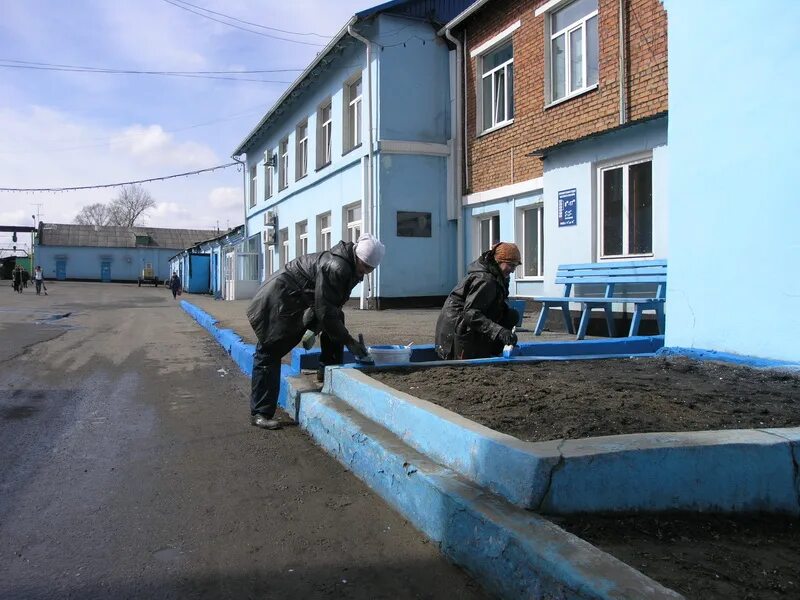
542 319
635 321
612 330
567 318
586 314
660 318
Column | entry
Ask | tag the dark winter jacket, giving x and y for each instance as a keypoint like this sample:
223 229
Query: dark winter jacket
475 313
175 283
321 281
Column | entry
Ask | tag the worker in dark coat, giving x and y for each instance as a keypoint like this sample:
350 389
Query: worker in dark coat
279 314
476 321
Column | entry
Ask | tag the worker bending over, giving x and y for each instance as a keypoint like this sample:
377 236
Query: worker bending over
476 321
279 314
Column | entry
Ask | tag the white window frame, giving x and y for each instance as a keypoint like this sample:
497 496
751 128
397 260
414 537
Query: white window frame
625 164
352 115
301 150
538 208
548 10
283 243
253 183
325 134
269 172
478 53
283 164
301 234
270 260
479 219
352 230
324 234
509 94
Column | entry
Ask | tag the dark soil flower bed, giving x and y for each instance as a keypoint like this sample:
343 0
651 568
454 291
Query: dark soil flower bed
702 556
587 398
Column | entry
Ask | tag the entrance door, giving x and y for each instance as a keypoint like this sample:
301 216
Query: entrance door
61 270
105 271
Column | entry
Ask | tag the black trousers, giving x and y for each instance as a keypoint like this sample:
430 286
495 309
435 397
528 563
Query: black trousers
266 380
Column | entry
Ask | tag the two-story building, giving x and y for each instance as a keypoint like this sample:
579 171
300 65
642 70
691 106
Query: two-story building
564 134
361 142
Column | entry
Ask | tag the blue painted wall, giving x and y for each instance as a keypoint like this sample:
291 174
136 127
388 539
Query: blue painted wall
734 210
85 263
410 104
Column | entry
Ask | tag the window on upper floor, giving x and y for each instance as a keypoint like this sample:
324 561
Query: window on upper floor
573 49
324 134
324 232
496 94
352 114
253 182
626 209
269 173
301 234
352 222
533 241
301 151
283 164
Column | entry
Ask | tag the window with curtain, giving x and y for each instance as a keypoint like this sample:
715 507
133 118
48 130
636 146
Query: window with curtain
574 49
497 86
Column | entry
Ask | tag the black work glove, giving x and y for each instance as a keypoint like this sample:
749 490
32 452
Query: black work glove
508 337
357 349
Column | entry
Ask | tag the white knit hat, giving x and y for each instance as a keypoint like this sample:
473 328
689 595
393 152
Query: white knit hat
370 250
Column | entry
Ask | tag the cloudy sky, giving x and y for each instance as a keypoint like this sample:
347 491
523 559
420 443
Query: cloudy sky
64 128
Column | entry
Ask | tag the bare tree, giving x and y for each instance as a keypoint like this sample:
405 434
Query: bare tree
132 202
93 214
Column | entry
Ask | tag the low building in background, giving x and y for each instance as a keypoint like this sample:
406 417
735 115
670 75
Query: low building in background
102 253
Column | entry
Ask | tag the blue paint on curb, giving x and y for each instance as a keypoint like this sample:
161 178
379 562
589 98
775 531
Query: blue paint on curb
737 359
241 352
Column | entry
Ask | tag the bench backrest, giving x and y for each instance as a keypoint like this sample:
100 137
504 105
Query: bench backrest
609 279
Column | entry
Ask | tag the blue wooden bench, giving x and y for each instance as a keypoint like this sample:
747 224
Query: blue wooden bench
601 285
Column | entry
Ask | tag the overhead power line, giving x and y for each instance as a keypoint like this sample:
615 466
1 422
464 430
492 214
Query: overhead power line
274 37
249 23
120 184
147 72
71 69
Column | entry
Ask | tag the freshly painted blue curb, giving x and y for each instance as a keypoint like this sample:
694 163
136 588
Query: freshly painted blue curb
737 359
426 353
728 471
512 552
240 351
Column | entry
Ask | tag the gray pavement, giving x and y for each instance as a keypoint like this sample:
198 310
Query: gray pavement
395 326
128 469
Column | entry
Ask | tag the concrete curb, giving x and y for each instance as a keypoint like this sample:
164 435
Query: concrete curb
728 470
512 552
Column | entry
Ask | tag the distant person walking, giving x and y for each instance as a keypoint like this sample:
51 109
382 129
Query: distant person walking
17 279
175 285
38 279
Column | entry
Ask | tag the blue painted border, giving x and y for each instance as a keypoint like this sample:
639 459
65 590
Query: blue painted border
737 359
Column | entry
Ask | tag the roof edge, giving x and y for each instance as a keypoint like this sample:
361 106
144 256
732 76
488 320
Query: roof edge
463 15
240 149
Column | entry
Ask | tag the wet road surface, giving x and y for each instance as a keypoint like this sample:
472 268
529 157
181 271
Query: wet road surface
128 469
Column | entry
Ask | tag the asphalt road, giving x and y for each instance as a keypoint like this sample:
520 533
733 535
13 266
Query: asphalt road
128 469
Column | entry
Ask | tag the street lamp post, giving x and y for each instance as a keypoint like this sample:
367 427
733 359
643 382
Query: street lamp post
33 245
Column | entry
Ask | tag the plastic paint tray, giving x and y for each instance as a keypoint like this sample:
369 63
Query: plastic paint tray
390 354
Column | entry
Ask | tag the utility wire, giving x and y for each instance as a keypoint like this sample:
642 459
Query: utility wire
122 72
274 37
111 185
248 22
145 72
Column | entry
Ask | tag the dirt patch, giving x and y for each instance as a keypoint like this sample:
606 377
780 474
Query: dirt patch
587 398
704 557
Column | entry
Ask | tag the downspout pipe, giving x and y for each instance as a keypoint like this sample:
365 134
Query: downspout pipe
459 150
623 65
367 216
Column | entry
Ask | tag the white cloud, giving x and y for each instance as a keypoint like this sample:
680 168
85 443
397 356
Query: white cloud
226 198
151 145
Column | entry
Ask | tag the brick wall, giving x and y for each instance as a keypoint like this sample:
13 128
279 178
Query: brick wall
499 158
